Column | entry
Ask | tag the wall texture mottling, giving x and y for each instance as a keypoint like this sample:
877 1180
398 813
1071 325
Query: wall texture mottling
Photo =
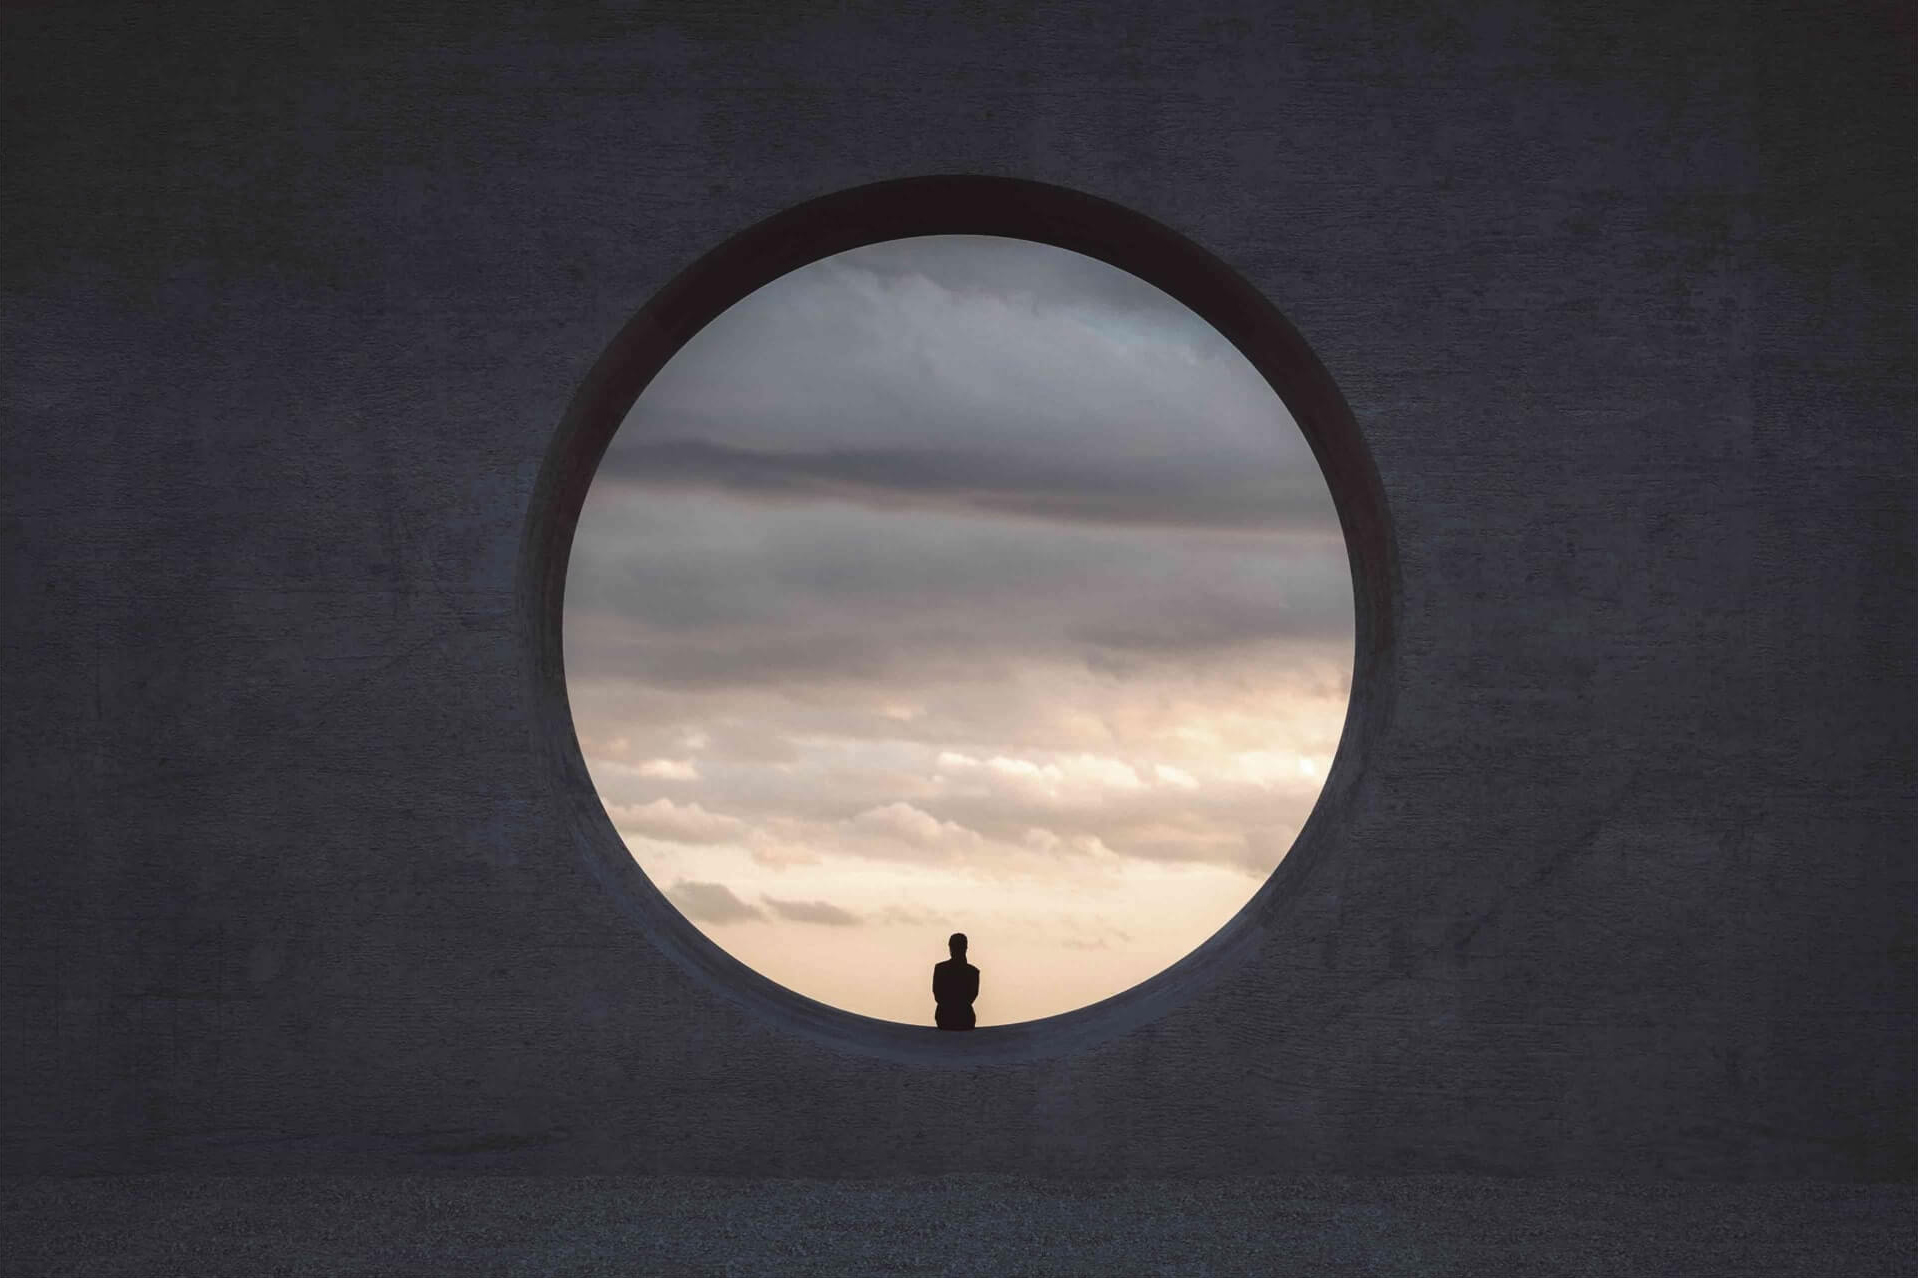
1623 302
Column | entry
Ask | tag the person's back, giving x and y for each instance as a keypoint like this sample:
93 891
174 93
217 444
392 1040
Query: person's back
955 984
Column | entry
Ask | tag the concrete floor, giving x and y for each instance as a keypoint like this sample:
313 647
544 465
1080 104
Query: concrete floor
1427 1225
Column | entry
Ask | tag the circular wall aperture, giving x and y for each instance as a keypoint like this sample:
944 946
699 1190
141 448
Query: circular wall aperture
851 478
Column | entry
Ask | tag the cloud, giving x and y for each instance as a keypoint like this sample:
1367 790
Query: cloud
675 822
1167 774
690 593
1084 771
654 769
821 912
1187 490
903 916
999 349
898 826
709 902
1040 274
1266 844
1169 765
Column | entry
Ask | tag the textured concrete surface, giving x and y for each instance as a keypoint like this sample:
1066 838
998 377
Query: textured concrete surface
291 302
1002 1226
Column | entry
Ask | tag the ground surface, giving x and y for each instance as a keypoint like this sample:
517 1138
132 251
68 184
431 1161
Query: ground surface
950 1225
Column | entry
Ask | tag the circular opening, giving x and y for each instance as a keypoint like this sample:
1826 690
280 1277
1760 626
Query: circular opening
851 482
958 585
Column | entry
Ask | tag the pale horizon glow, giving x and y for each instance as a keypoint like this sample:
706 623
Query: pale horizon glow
958 584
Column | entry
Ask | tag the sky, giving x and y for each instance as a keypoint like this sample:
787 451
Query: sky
958 583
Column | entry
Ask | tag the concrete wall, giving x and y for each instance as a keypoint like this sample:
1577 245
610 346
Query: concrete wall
1622 303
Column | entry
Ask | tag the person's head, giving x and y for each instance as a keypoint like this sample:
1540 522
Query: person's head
957 944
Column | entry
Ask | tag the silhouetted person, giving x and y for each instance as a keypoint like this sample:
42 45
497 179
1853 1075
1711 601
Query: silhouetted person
955 983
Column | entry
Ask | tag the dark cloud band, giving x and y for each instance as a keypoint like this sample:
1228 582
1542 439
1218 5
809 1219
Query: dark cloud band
1203 491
